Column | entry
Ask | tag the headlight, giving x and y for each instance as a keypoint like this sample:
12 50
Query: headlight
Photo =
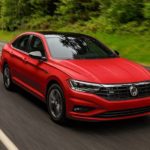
85 86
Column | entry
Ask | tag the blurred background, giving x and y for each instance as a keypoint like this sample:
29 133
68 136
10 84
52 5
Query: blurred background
123 25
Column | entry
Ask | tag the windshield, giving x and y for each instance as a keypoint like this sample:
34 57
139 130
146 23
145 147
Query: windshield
70 47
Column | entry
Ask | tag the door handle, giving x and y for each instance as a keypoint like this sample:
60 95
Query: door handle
25 60
12 54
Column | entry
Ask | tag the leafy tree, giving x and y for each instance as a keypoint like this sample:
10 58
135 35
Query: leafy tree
14 12
124 11
0 8
44 7
74 10
147 11
8 16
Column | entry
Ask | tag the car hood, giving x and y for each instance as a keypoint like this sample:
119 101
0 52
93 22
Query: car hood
108 71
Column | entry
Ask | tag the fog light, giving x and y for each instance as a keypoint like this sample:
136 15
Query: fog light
82 109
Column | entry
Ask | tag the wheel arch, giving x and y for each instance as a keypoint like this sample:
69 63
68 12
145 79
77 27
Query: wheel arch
54 80
3 65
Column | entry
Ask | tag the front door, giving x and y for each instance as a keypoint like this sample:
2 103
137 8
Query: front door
36 72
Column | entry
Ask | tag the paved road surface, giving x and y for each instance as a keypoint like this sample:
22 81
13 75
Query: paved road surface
25 121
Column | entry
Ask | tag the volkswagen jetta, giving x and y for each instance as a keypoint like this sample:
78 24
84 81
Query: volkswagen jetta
77 76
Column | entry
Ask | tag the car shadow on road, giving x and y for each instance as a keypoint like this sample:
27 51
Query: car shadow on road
30 98
111 126
92 127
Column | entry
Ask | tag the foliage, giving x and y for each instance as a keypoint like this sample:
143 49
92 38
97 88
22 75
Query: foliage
73 10
147 10
14 13
39 23
43 7
89 15
124 11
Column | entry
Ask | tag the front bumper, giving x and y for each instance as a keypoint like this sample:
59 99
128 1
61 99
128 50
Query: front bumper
105 110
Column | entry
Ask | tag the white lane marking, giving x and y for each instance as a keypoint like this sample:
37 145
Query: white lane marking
7 142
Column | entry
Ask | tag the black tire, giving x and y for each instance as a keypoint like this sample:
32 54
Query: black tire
56 104
7 78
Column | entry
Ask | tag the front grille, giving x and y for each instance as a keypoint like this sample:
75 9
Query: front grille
123 113
122 91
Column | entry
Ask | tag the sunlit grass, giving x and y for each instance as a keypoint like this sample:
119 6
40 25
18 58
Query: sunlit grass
8 36
134 47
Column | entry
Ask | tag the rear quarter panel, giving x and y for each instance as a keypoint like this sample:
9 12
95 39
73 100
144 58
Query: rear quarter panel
5 56
0 61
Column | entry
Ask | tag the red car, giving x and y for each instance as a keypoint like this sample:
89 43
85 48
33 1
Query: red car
76 76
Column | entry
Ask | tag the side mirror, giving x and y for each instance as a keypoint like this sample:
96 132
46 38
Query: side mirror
37 55
117 53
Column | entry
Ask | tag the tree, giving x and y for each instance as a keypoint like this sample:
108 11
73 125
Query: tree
74 10
14 12
124 11
44 7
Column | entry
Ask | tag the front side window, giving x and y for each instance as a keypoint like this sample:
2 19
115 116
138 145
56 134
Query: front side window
77 47
36 45
21 43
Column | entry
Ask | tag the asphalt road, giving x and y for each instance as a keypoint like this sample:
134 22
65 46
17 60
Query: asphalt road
24 119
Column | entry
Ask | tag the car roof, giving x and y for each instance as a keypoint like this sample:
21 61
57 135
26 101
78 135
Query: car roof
55 34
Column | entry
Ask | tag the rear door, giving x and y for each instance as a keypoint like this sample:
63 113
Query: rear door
19 56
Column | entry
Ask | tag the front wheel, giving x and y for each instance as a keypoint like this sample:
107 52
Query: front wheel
7 78
56 104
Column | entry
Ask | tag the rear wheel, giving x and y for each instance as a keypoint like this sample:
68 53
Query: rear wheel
56 104
7 78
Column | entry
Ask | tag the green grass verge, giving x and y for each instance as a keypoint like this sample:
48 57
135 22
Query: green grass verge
7 36
133 47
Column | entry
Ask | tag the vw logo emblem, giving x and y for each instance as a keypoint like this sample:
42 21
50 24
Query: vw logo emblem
133 91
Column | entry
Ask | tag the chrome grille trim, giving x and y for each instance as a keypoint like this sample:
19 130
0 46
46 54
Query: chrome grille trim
125 84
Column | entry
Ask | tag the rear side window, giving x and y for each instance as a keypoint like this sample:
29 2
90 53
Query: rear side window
21 43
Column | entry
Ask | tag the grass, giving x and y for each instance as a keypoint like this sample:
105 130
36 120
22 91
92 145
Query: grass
133 47
7 36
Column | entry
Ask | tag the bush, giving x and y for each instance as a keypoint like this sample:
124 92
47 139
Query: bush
147 11
39 23
74 10
100 24
124 11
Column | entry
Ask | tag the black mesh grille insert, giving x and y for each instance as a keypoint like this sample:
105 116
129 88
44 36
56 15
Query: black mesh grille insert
121 113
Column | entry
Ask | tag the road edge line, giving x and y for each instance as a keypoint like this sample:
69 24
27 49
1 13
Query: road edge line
7 142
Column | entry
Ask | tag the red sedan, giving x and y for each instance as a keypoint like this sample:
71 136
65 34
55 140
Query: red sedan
77 76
